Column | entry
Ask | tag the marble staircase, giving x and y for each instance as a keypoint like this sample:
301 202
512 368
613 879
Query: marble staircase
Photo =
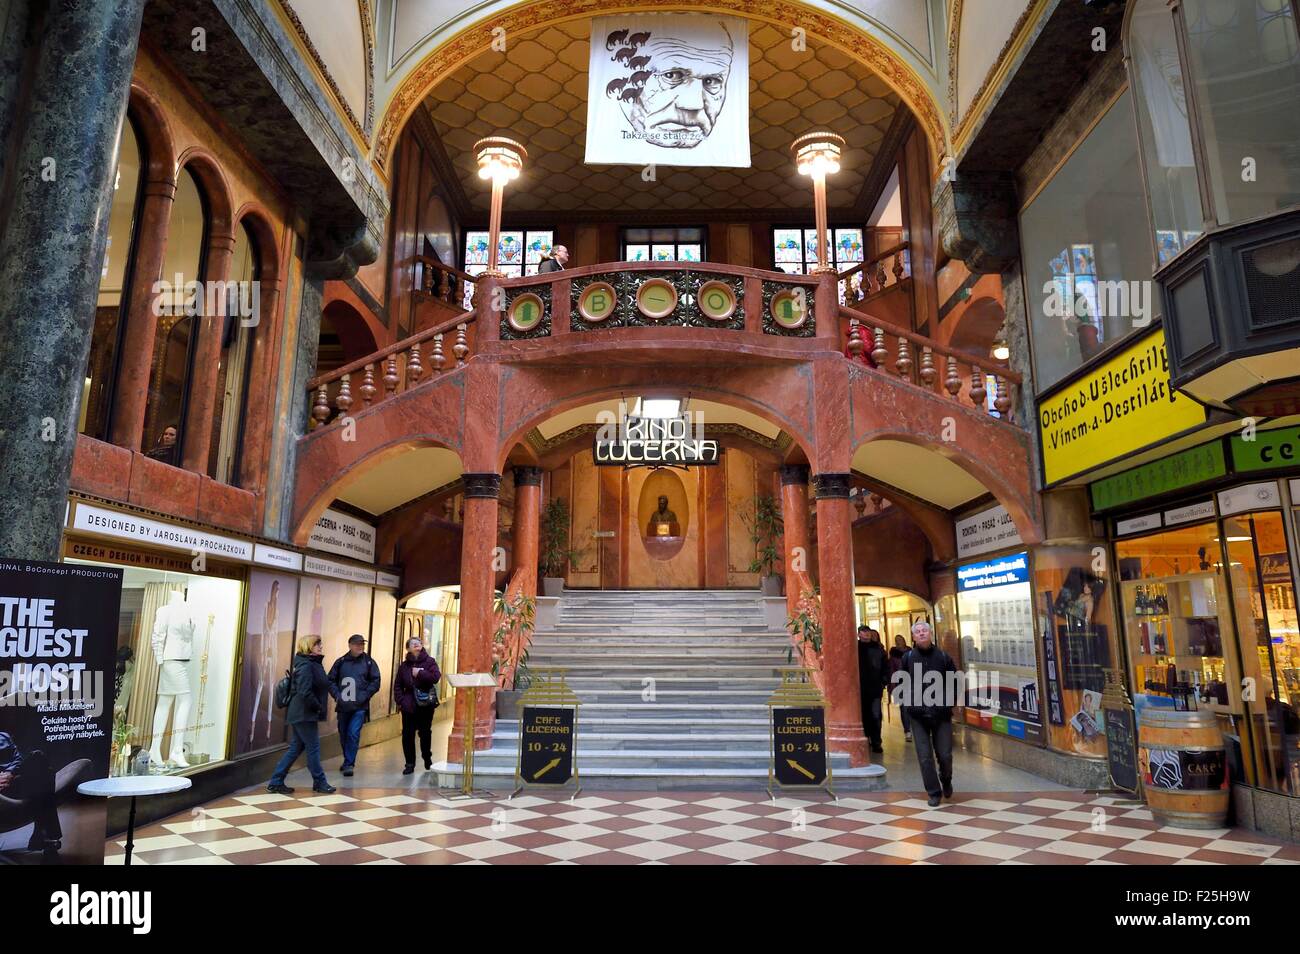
674 687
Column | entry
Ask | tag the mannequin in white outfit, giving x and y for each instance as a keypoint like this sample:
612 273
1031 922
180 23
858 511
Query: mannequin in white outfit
173 641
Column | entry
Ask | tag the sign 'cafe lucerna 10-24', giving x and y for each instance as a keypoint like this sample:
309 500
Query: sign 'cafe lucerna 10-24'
672 376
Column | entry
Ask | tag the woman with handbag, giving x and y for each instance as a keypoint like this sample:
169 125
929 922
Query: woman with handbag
417 698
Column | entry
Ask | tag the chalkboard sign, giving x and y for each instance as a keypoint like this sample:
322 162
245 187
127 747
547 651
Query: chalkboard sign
546 745
1121 748
799 745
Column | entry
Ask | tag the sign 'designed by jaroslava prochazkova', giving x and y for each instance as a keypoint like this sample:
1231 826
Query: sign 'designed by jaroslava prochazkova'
669 89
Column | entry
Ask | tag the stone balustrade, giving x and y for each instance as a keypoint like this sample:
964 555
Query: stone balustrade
392 370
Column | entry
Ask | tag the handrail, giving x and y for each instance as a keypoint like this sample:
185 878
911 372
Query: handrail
439 266
930 365
393 376
879 257
924 342
465 318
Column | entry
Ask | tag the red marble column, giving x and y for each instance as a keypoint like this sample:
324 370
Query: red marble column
478 543
794 518
260 406
839 641
207 360
131 389
528 509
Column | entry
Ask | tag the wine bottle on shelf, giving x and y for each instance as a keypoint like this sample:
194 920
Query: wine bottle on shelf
1139 601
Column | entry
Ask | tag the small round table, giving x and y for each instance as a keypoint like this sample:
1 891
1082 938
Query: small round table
133 786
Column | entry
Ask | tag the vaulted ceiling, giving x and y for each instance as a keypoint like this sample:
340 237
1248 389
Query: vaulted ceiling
536 91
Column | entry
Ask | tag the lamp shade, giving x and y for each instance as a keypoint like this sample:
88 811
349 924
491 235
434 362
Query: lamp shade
817 153
499 159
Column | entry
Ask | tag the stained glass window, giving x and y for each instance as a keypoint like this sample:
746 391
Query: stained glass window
795 250
663 245
519 252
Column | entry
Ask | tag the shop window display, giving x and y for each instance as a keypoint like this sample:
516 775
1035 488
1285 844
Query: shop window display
268 650
1077 629
1176 617
1264 600
175 669
995 613
333 610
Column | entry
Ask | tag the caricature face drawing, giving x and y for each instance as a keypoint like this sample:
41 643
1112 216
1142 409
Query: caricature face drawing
674 89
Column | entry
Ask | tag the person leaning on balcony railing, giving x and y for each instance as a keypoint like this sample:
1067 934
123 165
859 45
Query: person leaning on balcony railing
554 261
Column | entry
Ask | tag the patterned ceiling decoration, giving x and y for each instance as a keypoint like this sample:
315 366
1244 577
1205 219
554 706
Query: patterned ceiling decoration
537 92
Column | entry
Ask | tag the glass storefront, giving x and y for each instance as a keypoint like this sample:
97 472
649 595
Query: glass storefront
1264 600
176 648
890 612
1211 623
201 644
995 613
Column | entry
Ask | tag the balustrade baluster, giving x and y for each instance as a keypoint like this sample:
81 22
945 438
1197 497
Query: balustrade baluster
903 361
320 410
390 376
1001 395
444 286
461 348
368 388
898 266
344 399
856 344
414 369
952 379
978 392
878 350
928 373
439 359
880 275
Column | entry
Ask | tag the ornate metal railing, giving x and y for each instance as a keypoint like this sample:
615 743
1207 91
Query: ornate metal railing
960 377
391 370
628 295
867 278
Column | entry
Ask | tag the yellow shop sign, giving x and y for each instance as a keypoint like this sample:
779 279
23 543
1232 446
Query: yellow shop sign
1125 405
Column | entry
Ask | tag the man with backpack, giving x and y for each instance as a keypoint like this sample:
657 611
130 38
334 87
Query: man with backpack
417 697
354 680
924 693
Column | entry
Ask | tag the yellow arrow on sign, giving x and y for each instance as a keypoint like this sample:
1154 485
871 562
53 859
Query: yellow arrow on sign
550 765
800 769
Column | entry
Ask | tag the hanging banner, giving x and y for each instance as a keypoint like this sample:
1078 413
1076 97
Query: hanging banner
58 636
669 89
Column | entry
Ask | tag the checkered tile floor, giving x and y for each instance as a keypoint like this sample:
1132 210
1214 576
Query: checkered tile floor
375 826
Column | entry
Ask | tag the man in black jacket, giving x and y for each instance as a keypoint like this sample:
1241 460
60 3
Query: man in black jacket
354 679
555 261
926 690
873 677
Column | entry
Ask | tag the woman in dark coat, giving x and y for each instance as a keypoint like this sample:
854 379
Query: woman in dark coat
417 698
308 693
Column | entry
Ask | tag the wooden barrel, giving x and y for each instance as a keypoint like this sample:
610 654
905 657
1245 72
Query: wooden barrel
1184 767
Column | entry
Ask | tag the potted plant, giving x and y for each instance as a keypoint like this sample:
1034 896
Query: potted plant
553 548
763 521
120 754
806 624
510 648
